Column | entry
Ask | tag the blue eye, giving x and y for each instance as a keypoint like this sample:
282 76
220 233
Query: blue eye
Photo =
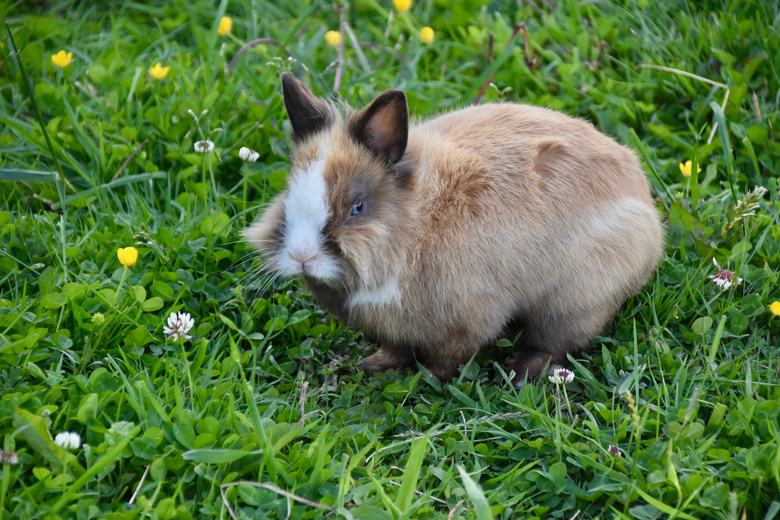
358 208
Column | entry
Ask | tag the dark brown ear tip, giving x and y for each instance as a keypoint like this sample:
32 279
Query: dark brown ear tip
393 94
307 113
289 80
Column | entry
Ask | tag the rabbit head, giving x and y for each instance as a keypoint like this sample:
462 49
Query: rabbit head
343 217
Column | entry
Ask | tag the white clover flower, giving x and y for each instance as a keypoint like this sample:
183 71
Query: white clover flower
248 155
724 278
9 457
179 324
68 440
614 451
204 146
723 285
562 376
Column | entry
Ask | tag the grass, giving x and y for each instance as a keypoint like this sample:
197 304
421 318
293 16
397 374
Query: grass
674 412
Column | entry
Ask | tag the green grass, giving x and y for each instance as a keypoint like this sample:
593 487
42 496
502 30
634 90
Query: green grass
263 413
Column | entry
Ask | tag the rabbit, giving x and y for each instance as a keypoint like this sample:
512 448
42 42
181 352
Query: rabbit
431 237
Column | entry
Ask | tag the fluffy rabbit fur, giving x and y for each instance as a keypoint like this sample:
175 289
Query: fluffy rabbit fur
432 237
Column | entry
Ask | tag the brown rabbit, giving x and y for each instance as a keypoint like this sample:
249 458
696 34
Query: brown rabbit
432 237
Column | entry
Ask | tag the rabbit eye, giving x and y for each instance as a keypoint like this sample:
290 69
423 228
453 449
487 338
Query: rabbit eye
358 208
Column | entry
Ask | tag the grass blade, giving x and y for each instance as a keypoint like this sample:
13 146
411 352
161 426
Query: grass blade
725 142
31 94
17 175
412 474
664 508
476 495
123 181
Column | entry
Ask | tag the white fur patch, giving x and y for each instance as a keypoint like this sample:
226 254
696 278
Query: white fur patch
306 207
387 294
305 215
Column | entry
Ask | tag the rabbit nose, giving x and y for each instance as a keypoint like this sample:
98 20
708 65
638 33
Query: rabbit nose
303 255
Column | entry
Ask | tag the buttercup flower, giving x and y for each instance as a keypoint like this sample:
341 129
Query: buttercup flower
179 324
426 35
204 146
68 440
402 5
158 71
686 168
561 375
724 278
62 59
333 38
774 308
127 256
248 155
225 25
9 457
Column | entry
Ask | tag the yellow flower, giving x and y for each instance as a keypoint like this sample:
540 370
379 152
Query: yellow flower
158 71
775 308
127 256
225 25
426 35
402 5
61 59
686 168
333 38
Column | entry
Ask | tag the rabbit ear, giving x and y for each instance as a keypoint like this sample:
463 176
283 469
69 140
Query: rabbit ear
308 114
383 126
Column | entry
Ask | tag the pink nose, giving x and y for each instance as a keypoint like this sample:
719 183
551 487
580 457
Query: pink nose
303 255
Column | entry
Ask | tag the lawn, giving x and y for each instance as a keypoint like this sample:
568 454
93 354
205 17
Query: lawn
674 411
